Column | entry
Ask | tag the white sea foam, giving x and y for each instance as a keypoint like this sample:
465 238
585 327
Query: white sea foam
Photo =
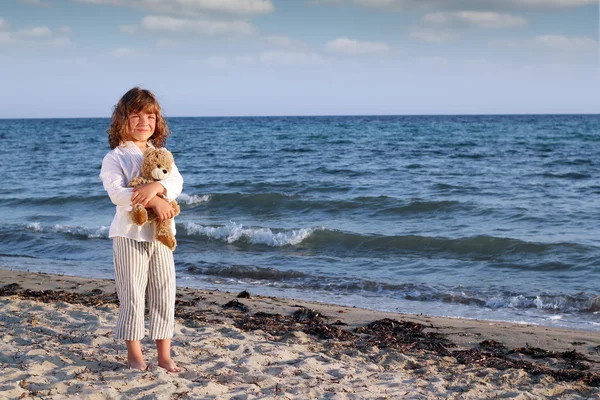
234 232
35 226
90 233
193 200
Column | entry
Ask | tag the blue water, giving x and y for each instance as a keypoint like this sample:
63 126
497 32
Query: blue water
488 217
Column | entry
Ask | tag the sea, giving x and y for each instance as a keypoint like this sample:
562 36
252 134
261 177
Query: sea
492 217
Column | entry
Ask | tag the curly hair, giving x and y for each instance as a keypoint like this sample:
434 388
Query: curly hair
134 101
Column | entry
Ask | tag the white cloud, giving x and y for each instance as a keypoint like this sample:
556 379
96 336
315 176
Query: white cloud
555 42
35 32
193 7
565 43
433 61
36 35
123 52
433 36
60 42
222 62
289 58
7 37
129 29
398 5
283 42
201 26
164 43
477 19
244 60
218 62
36 2
355 47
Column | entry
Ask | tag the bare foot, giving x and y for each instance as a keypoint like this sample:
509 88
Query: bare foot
169 365
137 364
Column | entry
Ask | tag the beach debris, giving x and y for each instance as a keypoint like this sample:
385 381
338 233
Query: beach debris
403 335
307 314
243 295
307 321
236 305
10 289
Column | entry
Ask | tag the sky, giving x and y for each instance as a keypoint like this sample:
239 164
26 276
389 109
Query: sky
76 58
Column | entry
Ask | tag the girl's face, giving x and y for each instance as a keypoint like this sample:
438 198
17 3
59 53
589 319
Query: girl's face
141 126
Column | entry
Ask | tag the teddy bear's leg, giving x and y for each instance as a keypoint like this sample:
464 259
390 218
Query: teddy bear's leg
175 207
165 235
139 215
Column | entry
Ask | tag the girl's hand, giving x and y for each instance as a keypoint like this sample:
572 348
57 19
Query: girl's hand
144 193
162 208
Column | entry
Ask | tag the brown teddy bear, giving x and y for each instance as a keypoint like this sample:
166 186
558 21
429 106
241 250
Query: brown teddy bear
156 166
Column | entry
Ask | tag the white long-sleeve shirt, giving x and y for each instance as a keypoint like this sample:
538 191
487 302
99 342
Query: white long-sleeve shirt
119 166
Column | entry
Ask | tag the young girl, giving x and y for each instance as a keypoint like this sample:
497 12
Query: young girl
141 263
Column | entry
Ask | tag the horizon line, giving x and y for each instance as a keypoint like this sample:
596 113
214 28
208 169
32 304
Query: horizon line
328 115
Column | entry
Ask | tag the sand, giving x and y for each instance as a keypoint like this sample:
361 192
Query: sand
56 343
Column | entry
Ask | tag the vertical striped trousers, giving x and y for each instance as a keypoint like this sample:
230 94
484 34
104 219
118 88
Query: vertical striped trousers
140 268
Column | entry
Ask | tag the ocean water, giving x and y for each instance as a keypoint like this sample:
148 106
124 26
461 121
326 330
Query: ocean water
488 217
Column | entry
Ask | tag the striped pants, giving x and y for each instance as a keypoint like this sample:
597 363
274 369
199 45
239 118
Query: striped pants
140 268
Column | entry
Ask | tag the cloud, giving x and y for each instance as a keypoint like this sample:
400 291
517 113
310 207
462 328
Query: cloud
283 42
65 30
200 26
124 52
476 19
433 36
4 25
129 29
35 32
355 47
36 35
164 43
554 42
289 58
490 5
193 7
36 3
223 62
565 43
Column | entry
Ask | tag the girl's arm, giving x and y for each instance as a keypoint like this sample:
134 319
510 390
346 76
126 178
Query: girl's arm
114 181
162 209
144 193
169 188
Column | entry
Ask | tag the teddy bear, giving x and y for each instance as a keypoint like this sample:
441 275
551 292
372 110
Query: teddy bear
156 166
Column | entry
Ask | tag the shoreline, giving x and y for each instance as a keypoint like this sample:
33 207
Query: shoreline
268 347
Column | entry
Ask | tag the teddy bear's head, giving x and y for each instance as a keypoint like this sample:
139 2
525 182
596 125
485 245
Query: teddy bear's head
157 163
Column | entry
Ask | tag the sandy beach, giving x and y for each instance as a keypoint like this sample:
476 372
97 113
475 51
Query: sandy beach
56 343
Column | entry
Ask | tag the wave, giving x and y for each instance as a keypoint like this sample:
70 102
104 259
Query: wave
193 200
419 292
58 200
233 233
75 231
567 175
246 272
323 241
267 203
